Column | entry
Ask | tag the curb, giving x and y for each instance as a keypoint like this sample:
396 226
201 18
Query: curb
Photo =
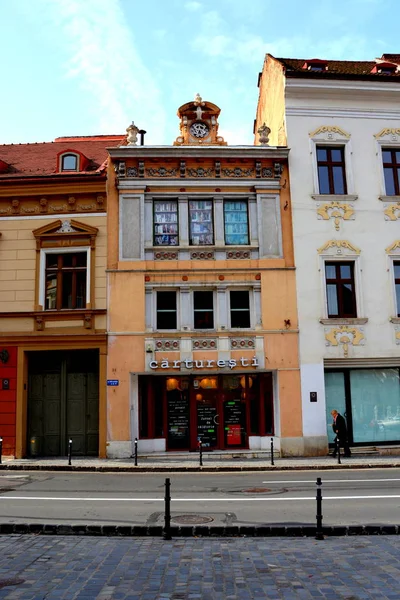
182 469
195 531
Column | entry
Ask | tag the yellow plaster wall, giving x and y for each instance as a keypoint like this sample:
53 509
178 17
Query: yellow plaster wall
271 102
278 299
18 262
290 403
126 302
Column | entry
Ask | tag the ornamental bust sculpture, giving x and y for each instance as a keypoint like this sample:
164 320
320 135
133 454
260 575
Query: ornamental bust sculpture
264 132
132 132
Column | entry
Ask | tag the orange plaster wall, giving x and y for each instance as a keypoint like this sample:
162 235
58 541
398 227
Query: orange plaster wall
112 218
281 351
271 102
278 298
126 302
290 407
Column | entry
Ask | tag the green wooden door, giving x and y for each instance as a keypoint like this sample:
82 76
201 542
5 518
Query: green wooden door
63 403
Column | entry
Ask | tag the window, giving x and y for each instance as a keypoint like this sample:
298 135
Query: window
65 280
201 222
69 162
236 223
391 170
340 289
166 310
240 309
203 303
166 223
331 170
396 268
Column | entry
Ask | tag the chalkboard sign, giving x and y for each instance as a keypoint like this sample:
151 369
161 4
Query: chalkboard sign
234 422
206 425
178 419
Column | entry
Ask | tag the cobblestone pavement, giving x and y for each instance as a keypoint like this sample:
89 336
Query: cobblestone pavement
38 568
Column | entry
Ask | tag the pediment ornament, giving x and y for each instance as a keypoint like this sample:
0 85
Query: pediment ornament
329 133
336 247
394 248
391 133
67 226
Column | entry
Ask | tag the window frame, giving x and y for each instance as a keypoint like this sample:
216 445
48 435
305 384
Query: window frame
42 274
332 136
330 164
340 282
251 309
190 233
202 291
394 166
176 292
246 202
154 234
66 155
396 281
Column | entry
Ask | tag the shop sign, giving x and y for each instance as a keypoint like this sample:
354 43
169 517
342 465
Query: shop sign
204 364
112 382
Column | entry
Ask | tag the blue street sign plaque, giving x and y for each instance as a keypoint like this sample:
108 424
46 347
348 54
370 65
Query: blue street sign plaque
112 382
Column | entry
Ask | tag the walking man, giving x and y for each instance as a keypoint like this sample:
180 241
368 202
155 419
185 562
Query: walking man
340 430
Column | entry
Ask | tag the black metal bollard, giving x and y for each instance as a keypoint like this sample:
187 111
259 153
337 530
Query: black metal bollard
136 443
201 453
272 451
319 534
338 450
69 452
167 516
1 448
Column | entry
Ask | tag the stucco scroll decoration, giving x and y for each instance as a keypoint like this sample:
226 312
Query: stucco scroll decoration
263 133
344 336
167 345
340 245
204 344
388 131
330 131
395 247
132 132
66 227
336 211
162 172
392 212
237 172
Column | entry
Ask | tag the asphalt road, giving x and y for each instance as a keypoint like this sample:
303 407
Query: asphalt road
364 497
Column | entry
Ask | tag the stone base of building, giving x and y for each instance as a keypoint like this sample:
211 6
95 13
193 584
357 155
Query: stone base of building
119 449
304 446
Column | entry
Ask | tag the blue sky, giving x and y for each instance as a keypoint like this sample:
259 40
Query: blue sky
84 67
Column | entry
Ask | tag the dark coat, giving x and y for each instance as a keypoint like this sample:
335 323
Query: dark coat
339 427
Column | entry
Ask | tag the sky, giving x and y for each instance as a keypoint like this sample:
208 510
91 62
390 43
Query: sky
87 67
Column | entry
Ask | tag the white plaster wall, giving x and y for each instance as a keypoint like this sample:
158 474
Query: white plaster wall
362 115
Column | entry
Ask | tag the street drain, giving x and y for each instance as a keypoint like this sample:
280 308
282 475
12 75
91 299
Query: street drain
257 490
7 582
191 519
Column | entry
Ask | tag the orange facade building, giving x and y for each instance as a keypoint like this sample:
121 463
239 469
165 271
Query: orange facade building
202 316
53 247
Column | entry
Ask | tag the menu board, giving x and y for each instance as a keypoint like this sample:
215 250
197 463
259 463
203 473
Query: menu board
201 222
236 223
206 425
234 422
178 419
166 223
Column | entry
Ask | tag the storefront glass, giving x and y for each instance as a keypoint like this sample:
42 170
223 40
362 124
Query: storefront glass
335 398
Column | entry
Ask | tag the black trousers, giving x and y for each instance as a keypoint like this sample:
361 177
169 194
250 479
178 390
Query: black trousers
343 442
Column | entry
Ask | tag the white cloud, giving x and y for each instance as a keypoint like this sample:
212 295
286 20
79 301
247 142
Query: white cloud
103 59
192 5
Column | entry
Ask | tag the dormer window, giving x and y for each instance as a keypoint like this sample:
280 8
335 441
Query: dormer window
315 64
69 162
385 68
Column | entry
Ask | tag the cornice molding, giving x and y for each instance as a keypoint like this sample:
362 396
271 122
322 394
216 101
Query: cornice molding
258 152
203 184
342 112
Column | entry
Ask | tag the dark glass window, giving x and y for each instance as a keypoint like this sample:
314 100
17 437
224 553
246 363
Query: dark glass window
166 223
397 285
69 162
236 223
331 170
201 222
203 303
340 289
66 280
240 309
391 170
166 310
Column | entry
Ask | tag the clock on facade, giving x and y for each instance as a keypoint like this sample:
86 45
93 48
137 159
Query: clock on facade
199 129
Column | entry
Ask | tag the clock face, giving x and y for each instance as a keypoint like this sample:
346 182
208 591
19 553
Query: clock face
199 129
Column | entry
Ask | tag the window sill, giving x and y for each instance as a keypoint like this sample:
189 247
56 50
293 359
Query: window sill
389 198
395 320
334 197
204 248
343 321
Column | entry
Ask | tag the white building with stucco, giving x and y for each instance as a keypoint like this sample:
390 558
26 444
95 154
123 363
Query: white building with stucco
341 121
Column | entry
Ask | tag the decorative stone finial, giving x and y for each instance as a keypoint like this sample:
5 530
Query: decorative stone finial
264 132
132 132
198 99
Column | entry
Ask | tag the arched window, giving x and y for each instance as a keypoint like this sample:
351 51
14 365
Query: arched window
69 162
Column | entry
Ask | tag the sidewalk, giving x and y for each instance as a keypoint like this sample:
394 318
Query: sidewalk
55 568
190 463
